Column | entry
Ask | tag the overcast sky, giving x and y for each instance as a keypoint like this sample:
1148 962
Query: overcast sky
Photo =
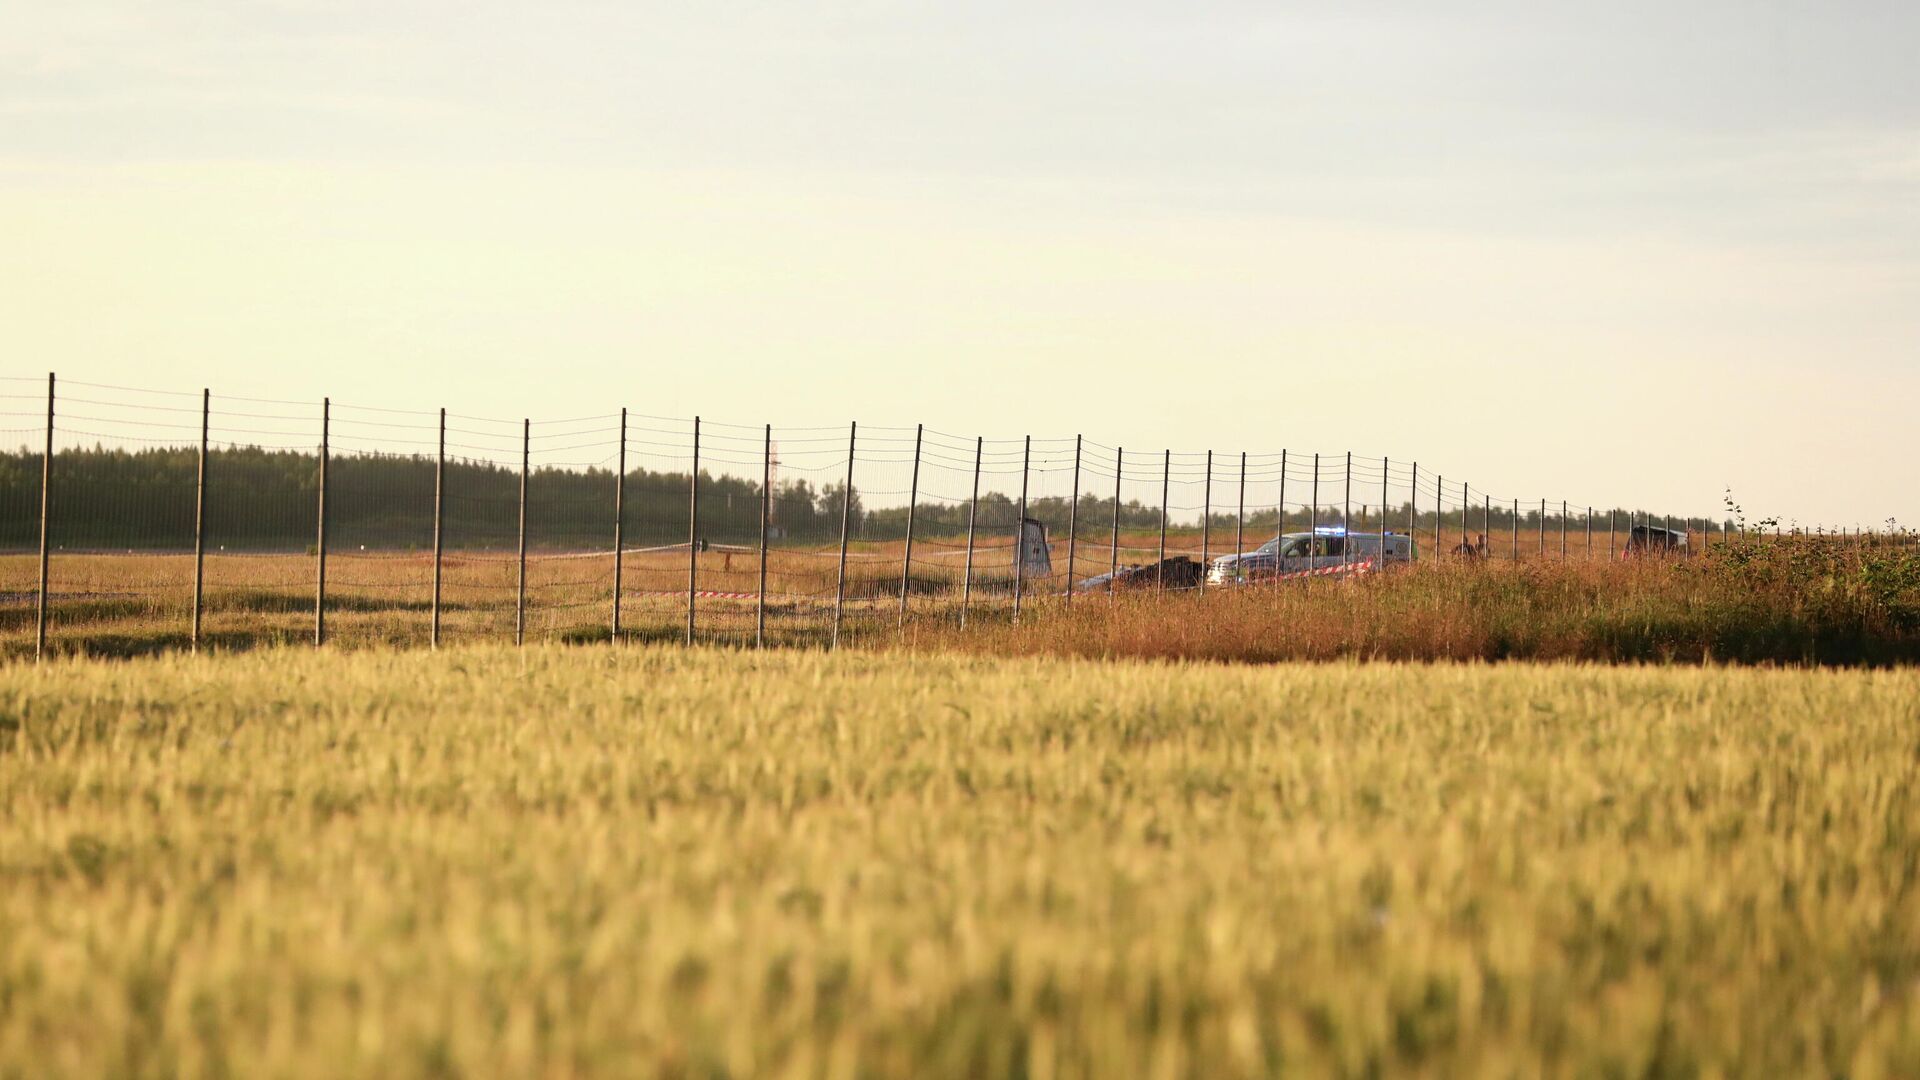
1631 253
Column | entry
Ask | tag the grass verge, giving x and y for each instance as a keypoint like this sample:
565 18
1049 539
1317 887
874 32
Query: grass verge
1790 603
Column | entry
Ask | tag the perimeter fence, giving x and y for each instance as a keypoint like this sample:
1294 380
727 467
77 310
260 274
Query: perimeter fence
133 519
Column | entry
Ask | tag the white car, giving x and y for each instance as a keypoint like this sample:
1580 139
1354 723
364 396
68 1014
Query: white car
1327 546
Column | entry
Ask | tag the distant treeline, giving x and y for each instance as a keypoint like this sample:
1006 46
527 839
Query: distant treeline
267 500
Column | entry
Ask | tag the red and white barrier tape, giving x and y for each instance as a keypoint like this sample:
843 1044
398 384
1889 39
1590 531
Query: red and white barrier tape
1360 567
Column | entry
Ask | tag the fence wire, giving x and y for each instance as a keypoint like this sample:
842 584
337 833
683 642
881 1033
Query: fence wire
181 518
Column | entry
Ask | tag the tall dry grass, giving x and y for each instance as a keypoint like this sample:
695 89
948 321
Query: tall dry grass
1784 601
1794 602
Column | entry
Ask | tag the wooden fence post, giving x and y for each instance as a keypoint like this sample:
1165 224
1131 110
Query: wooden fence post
46 520
1160 571
1073 521
973 515
200 522
1020 529
520 582
1113 568
320 579
1206 523
913 502
619 526
846 519
439 526
693 530
766 515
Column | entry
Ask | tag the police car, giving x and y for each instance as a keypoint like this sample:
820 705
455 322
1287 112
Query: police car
1326 546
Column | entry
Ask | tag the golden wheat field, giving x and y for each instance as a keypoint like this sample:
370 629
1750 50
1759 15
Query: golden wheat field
705 863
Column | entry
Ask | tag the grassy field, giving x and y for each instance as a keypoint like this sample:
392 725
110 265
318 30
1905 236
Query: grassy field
654 861
133 602
1794 602
1805 604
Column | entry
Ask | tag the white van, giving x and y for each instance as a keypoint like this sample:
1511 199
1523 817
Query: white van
1327 546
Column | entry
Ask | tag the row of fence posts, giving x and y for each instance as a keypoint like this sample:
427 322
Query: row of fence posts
760 612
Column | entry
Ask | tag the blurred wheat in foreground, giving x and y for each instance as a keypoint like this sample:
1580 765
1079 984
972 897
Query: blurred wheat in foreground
648 861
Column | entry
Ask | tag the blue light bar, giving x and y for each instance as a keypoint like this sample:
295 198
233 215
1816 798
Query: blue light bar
1329 530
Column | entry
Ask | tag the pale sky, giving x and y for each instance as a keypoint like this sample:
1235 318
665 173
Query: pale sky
1627 253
